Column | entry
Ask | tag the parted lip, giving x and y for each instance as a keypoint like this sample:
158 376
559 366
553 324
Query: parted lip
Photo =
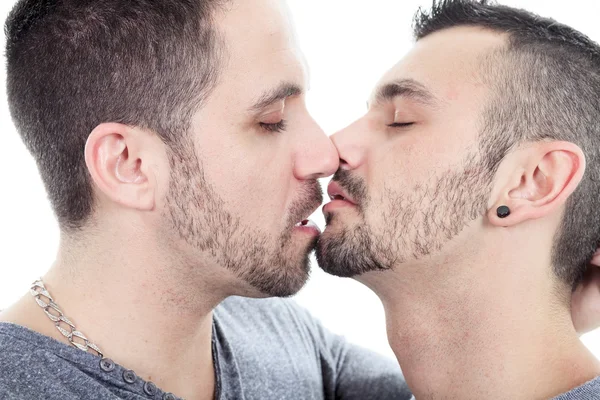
336 192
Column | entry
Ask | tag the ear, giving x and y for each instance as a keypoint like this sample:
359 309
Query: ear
118 163
536 181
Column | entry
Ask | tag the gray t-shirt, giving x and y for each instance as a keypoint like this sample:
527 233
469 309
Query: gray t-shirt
262 349
588 391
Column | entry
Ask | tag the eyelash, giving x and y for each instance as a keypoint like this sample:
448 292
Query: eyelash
401 124
277 127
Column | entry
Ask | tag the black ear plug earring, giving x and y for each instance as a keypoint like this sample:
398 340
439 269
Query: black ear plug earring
503 211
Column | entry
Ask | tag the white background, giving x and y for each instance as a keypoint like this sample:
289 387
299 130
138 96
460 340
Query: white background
348 44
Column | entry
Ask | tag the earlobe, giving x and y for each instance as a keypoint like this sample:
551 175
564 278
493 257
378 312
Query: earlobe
537 181
503 212
504 215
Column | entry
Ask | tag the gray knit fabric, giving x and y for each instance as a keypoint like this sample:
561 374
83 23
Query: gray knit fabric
262 349
590 390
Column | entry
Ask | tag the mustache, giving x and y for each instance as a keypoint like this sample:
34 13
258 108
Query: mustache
353 185
311 197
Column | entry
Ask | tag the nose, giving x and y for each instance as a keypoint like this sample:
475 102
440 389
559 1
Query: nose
350 146
318 157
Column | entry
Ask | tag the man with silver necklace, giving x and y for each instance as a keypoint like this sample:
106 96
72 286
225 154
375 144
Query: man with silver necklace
182 165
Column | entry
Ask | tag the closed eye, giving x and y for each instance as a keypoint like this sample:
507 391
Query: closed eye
276 127
401 124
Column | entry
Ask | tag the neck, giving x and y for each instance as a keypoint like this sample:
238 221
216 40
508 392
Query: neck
138 307
481 329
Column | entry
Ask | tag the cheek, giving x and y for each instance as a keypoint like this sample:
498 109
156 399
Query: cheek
255 186
414 160
394 168
397 172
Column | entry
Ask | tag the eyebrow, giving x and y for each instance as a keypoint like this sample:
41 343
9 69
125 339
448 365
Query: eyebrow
405 88
272 96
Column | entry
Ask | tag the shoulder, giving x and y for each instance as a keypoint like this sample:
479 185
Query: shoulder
589 390
35 366
22 365
15 349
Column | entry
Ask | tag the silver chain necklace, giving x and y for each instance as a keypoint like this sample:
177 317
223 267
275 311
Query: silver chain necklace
62 323
78 339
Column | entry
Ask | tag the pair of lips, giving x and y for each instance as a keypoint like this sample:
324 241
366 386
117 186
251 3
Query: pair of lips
336 192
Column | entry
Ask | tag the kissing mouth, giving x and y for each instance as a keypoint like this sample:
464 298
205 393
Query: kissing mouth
305 206
336 192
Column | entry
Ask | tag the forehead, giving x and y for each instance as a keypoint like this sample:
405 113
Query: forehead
448 63
261 44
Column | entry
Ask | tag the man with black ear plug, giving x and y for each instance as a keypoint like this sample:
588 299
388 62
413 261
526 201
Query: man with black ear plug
467 200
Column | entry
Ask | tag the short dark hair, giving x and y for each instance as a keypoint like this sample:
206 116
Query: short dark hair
74 64
546 86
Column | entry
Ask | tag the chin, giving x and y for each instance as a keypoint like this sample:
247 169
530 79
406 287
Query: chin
287 273
288 284
348 252
336 227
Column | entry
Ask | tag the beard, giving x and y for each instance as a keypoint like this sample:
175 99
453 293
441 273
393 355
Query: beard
275 266
413 225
